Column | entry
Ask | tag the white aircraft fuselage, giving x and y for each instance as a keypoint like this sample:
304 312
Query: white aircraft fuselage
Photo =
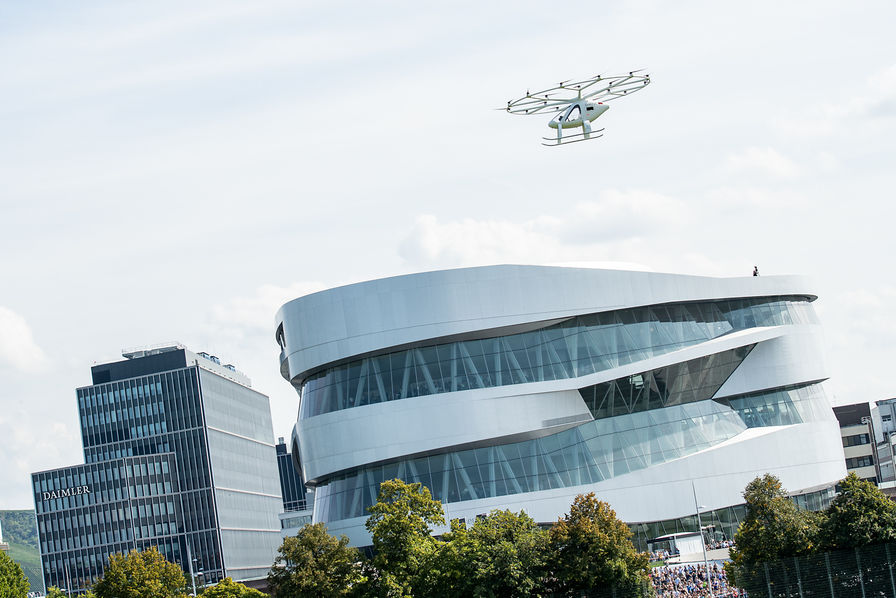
577 114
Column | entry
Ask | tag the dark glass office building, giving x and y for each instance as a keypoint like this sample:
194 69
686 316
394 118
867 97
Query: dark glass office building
294 493
179 455
297 500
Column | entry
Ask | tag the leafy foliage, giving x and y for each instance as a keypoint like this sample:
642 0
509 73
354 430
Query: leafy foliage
859 515
314 563
13 583
401 525
590 549
227 588
141 575
773 528
502 554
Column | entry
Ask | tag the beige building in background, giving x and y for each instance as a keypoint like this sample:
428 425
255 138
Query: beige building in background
857 434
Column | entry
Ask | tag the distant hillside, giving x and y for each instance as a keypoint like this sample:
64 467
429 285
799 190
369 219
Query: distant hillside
20 527
20 532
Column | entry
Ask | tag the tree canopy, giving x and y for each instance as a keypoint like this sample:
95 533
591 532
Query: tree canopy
497 555
591 548
314 563
227 588
859 515
501 554
400 524
143 574
774 527
13 583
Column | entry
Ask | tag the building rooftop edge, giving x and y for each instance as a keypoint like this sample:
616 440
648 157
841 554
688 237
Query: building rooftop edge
206 361
617 267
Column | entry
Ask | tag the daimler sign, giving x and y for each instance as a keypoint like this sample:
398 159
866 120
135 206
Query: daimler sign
73 491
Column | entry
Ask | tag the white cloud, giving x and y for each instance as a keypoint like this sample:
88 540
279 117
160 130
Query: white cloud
763 161
843 113
860 325
470 241
17 346
625 216
742 197
257 311
616 215
868 317
880 98
32 442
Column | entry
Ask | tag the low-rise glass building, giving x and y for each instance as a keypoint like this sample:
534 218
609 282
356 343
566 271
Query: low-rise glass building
179 455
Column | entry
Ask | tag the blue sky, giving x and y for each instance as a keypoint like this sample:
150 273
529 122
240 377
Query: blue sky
176 172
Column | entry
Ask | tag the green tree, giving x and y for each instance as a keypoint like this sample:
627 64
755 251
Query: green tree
774 527
400 524
860 514
143 574
13 583
590 549
315 564
227 588
502 554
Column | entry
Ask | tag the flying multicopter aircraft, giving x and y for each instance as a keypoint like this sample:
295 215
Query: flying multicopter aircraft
577 103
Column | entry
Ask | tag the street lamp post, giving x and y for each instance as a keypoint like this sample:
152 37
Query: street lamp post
190 564
702 541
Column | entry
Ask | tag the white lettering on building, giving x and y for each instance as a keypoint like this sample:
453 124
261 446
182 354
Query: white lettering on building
73 491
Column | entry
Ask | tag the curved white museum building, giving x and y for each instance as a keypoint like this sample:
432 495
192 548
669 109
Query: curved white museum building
520 387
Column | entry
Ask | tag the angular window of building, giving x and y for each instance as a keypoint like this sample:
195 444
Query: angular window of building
522 386
179 455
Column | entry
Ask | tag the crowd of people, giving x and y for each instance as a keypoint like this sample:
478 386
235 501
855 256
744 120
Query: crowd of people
664 555
716 544
661 555
690 581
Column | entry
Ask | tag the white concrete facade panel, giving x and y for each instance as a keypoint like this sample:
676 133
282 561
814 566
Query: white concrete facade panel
464 418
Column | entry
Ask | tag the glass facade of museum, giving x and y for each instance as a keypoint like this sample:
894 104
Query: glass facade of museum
177 457
640 420
589 453
719 524
576 347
